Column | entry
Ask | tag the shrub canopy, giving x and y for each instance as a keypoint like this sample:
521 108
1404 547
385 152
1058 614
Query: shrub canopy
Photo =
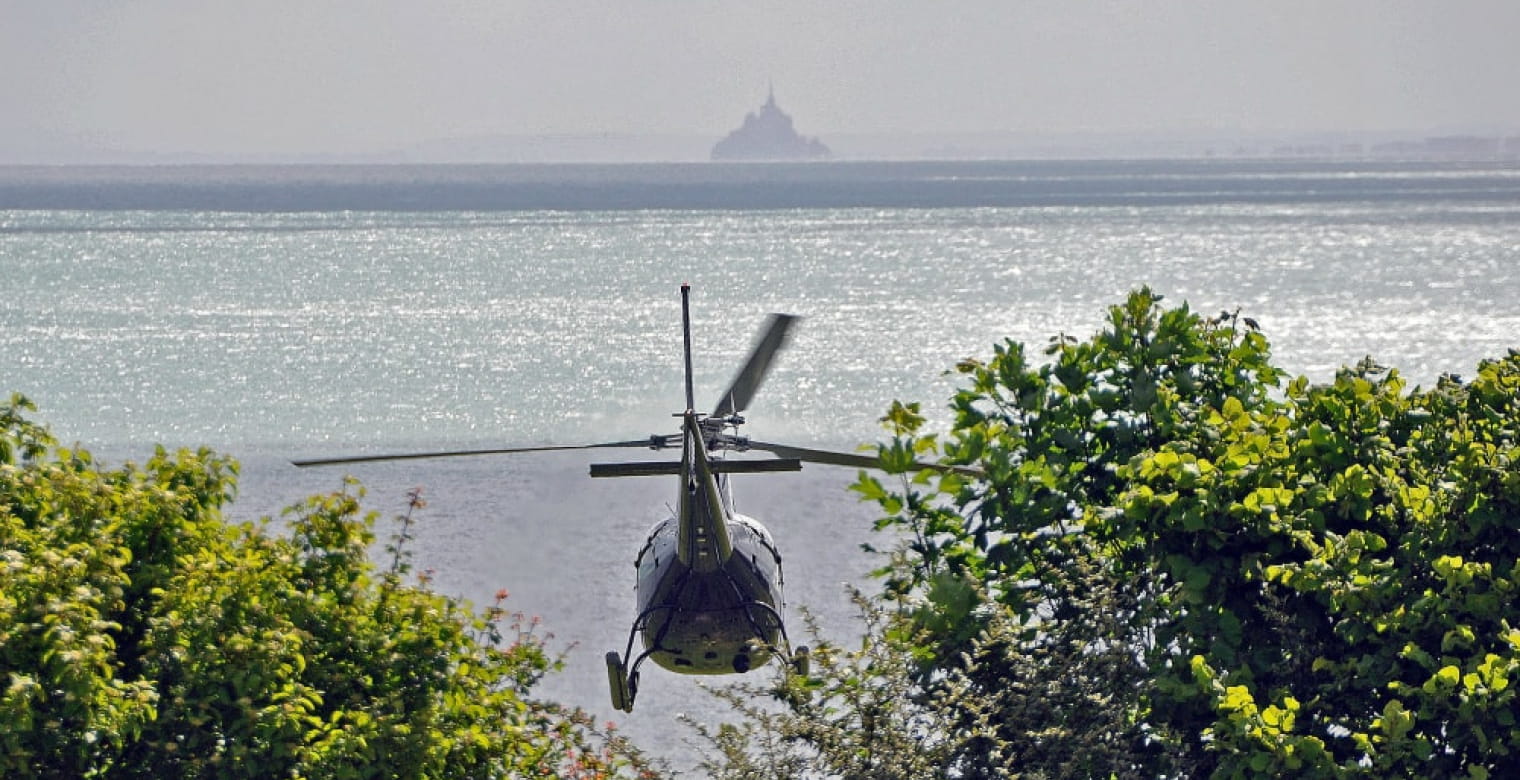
1178 562
142 635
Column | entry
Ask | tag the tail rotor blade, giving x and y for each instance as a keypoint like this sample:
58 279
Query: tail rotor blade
748 381
653 442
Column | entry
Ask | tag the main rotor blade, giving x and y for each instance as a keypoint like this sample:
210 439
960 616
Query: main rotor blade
742 391
852 459
653 442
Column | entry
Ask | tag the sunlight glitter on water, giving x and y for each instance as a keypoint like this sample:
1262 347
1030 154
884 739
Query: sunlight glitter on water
567 317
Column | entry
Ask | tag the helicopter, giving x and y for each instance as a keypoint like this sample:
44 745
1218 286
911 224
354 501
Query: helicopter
709 579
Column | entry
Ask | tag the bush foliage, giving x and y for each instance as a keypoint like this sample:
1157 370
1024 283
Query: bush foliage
142 635
1176 562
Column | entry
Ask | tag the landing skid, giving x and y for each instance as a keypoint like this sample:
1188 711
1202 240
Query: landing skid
623 684
801 661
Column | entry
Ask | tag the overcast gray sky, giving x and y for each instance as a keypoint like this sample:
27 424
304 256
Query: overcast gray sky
343 76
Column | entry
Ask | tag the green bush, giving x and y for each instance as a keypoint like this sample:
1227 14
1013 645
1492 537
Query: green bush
142 635
1173 563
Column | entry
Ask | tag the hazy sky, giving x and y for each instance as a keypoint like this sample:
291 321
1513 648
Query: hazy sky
344 76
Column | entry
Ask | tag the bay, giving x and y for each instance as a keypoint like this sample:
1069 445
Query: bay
295 330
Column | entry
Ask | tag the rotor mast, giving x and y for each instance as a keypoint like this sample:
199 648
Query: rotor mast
691 403
702 540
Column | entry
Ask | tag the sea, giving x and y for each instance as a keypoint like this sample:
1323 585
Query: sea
282 312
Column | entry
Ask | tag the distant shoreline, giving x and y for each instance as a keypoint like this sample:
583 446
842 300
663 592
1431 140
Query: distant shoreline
1485 145
753 185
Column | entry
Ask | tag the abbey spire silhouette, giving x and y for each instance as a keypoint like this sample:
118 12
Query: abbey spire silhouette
768 135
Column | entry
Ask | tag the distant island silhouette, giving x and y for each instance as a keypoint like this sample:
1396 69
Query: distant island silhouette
768 135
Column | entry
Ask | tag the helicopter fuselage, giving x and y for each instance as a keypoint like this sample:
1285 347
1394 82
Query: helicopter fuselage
722 621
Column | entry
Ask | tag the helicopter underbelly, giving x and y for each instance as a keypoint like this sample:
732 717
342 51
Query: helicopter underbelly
721 622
